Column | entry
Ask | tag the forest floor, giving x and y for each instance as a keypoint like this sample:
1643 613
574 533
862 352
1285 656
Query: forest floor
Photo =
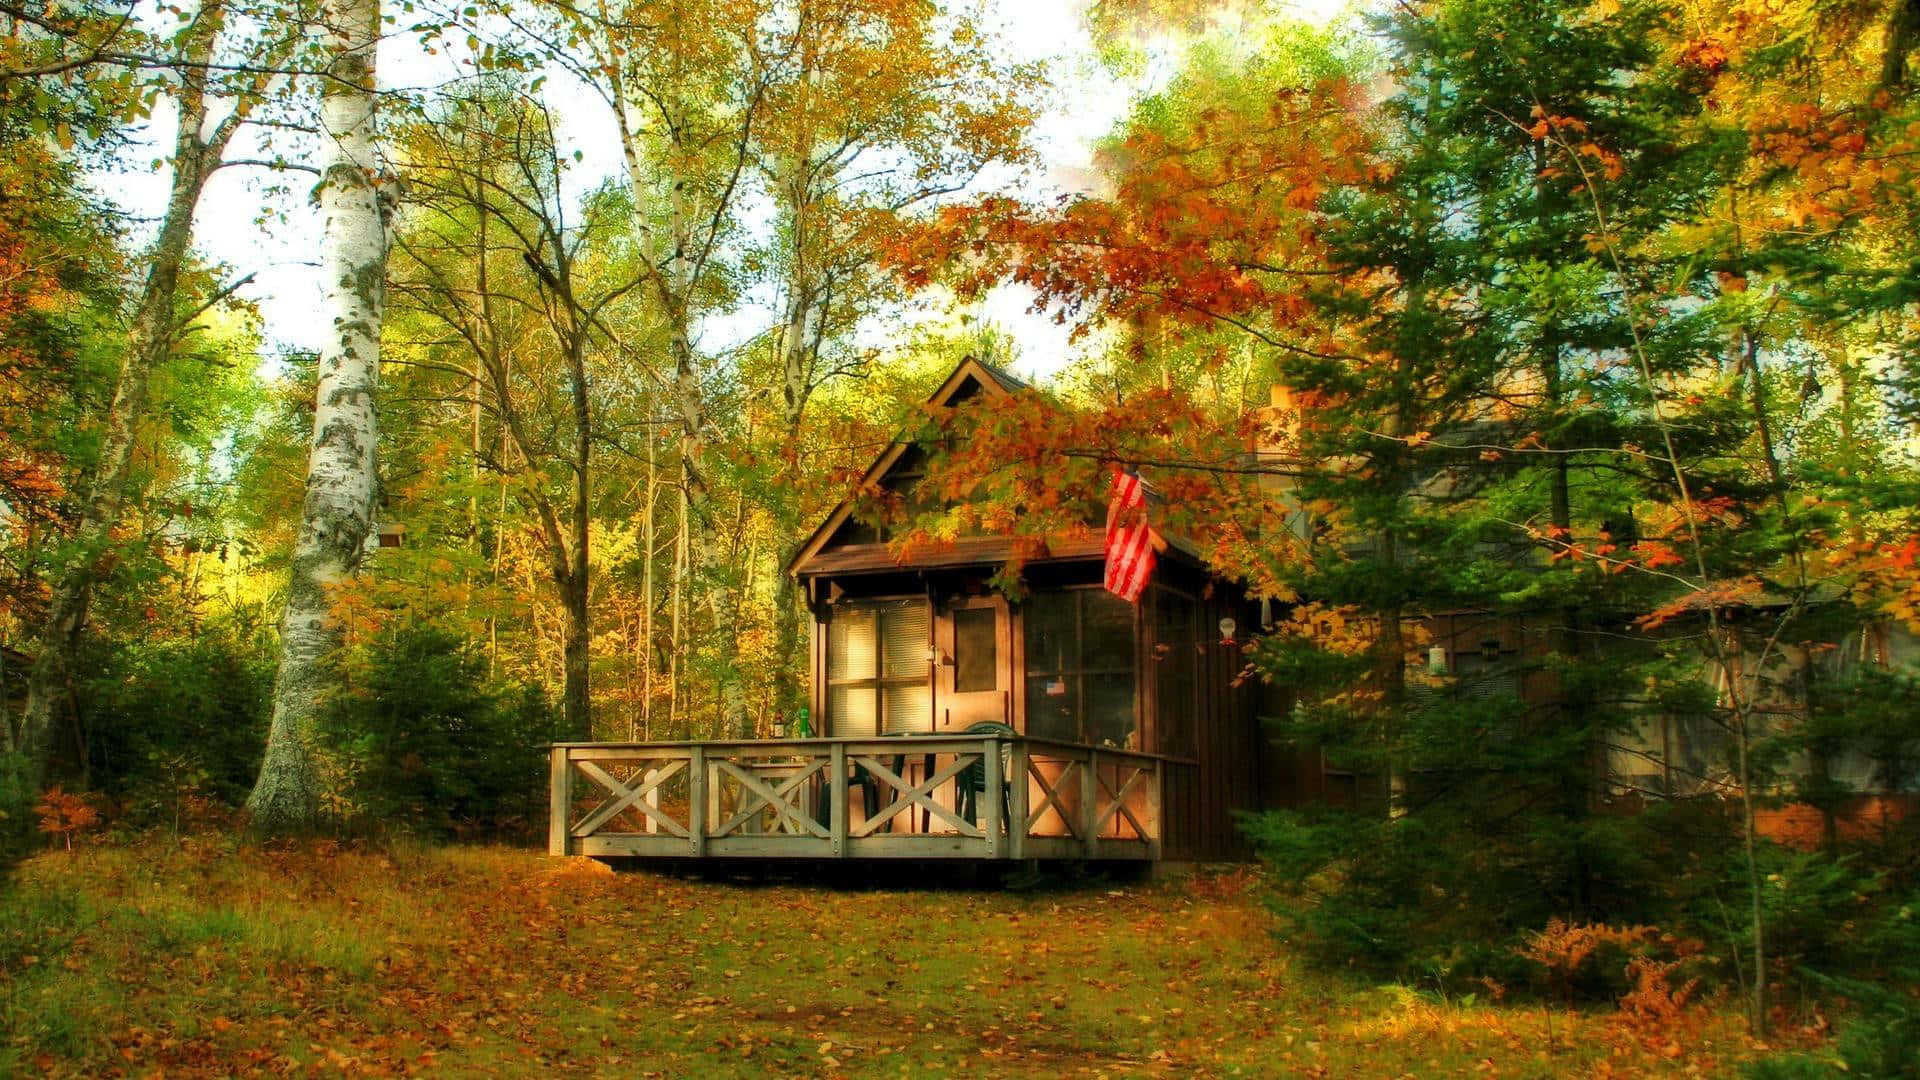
204 958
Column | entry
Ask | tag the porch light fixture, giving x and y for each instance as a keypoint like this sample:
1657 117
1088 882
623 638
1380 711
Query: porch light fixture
1227 626
1437 660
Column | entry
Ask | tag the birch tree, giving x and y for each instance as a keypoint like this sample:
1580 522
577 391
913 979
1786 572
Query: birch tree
356 205
199 149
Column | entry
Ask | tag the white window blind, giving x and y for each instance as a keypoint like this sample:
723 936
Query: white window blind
877 668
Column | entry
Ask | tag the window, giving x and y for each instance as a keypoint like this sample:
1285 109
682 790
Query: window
976 650
1080 667
877 672
1176 657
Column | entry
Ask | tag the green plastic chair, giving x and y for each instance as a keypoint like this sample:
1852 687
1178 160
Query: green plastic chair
972 780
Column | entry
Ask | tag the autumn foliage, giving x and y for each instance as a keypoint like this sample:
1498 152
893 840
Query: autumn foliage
64 816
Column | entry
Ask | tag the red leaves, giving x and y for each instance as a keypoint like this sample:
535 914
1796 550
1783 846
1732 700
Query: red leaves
1704 55
1198 225
65 816
1717 595
1655 554
1885 576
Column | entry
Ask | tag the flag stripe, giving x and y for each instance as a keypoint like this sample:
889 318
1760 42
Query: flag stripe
1129 542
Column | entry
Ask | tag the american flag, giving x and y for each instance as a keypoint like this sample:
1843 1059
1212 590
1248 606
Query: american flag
1129 545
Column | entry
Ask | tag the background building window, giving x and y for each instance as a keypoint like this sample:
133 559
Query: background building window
877 669
1080 677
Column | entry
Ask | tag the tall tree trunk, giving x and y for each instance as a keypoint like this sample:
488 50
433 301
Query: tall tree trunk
677 657
797 353
337 515
149 342
576 655
649 542
579 704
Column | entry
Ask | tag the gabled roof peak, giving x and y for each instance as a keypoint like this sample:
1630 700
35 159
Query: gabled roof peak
971 372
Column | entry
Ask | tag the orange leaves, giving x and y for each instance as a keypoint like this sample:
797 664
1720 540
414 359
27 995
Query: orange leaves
1718 595
65 816
1196 225
1656 554
1841 163
1561 131
1885 576
1704 55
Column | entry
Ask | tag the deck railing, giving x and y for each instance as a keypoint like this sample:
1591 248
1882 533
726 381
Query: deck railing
944 796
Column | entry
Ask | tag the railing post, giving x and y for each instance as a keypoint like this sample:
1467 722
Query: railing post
1090 801
837 798
560 801
995 793
697 801
1156 795
1017 828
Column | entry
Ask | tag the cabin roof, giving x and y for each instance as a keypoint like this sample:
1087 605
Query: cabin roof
970 378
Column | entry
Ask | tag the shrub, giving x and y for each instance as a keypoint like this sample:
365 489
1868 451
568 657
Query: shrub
175 719
425 742
65 816
1880 1040
1430 898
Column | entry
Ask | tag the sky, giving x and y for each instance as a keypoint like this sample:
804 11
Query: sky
274 235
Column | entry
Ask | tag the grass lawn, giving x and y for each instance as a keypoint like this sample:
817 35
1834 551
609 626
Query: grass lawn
206 959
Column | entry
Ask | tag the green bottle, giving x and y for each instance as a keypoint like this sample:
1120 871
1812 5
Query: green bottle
803 727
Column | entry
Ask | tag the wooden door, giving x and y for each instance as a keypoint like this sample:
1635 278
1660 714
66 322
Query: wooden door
974 679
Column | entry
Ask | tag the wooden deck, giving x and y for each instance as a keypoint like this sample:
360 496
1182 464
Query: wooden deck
924 797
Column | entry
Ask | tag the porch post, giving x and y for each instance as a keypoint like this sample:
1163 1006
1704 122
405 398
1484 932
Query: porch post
1156 798
560 800
837 799
697 801
1017 828
996 789
1090 802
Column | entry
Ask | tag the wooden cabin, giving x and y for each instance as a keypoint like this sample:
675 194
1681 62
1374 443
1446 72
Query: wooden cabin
953 721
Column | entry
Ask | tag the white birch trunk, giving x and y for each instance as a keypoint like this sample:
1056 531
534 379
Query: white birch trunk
337 516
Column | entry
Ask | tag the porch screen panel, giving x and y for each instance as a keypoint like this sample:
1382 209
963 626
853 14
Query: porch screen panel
877 671
1053 697
1176 654
1080 677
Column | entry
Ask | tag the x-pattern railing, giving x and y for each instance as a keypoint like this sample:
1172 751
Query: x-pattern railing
972 796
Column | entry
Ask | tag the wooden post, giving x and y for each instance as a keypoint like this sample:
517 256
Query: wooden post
837 799
560 805
652 776
996 788
1017 828
697 801
1155 800
1090 801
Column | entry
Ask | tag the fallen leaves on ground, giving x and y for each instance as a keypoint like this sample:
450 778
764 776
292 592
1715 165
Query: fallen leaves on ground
210 959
